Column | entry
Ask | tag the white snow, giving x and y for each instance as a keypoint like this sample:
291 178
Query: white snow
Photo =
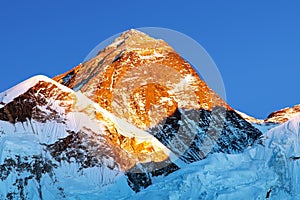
249 118
77 120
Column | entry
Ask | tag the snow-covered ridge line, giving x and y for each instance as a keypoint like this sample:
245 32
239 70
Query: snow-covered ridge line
250 118
9 95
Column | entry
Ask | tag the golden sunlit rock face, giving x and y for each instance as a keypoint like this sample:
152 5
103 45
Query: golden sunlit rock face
142 80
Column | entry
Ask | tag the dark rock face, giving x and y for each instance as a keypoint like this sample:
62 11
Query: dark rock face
186 133
140 176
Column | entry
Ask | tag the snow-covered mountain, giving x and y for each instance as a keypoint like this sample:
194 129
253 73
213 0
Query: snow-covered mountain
136 122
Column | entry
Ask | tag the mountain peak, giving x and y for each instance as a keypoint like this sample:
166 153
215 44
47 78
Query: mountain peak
133 33
136 35
135 40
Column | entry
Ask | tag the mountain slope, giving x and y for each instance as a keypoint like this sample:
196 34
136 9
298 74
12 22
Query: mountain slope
49 134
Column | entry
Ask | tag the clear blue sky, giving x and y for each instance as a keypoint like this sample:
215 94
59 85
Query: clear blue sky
255 44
